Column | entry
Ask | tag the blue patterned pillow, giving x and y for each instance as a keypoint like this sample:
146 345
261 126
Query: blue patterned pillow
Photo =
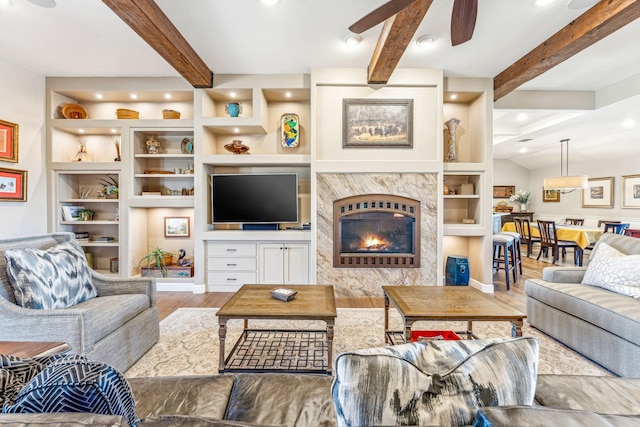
399 385
58 277
75 384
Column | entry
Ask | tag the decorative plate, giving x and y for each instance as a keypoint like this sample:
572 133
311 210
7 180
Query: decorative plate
74 111
187 146
290 125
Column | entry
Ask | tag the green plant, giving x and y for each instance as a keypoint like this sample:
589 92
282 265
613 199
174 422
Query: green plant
86 214
110 186
155 257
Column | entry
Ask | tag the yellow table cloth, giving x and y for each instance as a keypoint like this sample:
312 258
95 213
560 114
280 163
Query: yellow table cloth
583 236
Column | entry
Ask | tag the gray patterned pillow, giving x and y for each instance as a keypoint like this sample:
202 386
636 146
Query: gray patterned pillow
58 277
611 269
400 385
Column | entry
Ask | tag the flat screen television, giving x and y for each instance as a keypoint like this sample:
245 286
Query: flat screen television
264 198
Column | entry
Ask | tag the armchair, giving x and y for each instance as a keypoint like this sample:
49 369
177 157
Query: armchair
117 327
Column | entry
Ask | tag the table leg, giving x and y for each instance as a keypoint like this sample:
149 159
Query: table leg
329 346
386 318
516 328
469 329
222 333
407 330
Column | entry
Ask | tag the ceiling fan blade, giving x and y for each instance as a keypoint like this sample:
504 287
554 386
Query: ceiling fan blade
463 20
382 13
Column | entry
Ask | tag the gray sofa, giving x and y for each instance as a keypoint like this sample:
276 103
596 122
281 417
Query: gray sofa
117 327
600 324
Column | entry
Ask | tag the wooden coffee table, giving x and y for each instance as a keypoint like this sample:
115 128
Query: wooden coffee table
33 349
461 303
286 350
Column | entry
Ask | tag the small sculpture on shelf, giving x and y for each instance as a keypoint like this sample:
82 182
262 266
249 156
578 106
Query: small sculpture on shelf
233 108
110 188
153 145
81 155
237 147
452 152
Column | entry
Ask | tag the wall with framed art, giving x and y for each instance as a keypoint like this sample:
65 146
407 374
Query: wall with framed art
599 193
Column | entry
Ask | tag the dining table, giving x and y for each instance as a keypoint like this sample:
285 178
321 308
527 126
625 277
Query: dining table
582 235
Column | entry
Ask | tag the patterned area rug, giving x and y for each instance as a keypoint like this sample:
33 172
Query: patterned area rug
189 341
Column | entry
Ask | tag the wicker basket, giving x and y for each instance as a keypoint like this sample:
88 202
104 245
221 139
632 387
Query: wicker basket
170 114
123 113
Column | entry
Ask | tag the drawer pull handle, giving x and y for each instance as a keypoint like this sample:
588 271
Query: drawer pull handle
231 278
231 249
231 265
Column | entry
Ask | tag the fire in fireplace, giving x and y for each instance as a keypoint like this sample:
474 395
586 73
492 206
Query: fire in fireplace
376 231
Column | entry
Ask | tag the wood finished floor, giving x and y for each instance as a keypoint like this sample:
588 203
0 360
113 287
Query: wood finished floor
168 302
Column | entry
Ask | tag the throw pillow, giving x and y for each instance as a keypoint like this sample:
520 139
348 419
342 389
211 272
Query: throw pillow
509 416
611 269
392 385
74 384
58 277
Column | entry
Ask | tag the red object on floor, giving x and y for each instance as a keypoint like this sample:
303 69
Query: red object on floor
447 335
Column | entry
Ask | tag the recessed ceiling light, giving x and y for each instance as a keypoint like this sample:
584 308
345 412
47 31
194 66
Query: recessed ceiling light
114 130
522 117
80 130
453 96
353 40
236 130
629 123
426 41
167 96
541 3
232 95
99 96
6 3
523 150
133 96
287 94
270 2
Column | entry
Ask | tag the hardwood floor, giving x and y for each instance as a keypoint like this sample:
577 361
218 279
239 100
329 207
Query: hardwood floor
168 302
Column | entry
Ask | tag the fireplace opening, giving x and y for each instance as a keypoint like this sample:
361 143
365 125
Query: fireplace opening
376 231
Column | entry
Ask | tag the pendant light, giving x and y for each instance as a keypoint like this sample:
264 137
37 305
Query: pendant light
564 182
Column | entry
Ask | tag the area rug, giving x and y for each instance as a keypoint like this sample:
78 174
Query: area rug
189 340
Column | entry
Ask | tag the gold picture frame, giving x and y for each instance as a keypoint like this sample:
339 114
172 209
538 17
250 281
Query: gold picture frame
176 226
599 193
631 191
13 185
377 123
550 195
8 142
503 191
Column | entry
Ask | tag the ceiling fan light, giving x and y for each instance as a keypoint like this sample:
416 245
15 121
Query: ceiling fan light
565 182
426 40
352 40
270 2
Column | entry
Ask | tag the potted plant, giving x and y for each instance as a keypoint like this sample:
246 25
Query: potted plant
158 257
86 214
110 187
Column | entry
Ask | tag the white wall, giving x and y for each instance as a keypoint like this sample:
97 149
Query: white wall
23 103
570 205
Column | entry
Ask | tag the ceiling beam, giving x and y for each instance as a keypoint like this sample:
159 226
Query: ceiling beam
150 23
606 17
396 35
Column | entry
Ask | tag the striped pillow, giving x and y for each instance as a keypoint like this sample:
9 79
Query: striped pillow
57 277
399 385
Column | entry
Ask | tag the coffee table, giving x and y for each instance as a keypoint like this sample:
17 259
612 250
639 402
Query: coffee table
457 303
33 349
279 350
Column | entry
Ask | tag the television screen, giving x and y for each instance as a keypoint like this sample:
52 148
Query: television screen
254 198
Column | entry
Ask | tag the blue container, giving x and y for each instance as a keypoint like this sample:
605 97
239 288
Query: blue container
457 271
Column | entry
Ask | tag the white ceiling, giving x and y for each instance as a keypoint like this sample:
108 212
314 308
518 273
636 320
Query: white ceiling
85 38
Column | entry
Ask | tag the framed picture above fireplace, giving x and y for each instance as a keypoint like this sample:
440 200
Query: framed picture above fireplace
377 123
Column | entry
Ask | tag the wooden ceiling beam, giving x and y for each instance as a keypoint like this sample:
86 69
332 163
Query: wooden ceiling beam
606 17
396 35
150 23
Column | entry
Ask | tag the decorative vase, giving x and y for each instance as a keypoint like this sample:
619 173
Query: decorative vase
452 152
523 207
290 124
233 109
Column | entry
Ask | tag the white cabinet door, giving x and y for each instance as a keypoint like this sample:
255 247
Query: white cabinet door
271 263
296 263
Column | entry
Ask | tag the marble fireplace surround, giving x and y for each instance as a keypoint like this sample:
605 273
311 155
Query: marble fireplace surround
369 281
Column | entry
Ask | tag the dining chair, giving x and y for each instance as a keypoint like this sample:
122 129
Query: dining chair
574 221
601 222
523 227
549 240
615 227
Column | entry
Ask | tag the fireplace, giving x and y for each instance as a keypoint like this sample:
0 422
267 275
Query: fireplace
376 230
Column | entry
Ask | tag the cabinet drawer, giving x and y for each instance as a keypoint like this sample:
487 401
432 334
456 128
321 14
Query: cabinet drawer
230 278
231 264
231 249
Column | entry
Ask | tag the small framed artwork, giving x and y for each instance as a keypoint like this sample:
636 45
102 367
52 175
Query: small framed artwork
8 142
631 191
176 226
13 185
71 213
503 191
377 123
599 193
549 195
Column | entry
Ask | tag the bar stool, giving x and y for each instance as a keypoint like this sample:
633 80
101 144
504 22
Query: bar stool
502 260
517 251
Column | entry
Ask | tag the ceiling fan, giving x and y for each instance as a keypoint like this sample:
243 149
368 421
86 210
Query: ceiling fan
463 18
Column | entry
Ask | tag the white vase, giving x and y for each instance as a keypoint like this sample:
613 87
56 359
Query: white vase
523 207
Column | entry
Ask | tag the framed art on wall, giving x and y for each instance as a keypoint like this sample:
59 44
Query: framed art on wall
599 193
377 123
503 191
8 142
631 191
176 226
13 185
550 195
